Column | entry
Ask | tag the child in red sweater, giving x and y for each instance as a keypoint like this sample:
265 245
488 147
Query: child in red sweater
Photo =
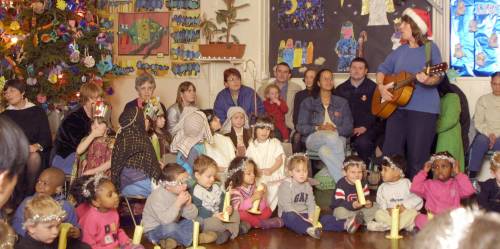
277 109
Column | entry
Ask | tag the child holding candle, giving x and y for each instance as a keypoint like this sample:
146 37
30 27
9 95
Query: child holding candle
443 193
169 213
209 198
244 193
297 207
489 196
268 153
347 200
97 213
43 216
395 191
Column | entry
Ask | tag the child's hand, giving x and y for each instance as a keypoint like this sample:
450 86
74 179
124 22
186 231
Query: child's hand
74 232
456 167
369 204
257 195
427 166
182 198
219 216
276 101
402 209
229 209
266 172
356 205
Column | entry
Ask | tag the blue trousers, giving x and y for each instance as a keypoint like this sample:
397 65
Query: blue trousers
139 188
478 149
296 223
182 232
330 147
413 131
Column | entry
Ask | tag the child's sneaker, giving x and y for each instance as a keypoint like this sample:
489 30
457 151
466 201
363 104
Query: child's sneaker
314 232
352 224
222 237
377 226
275 222
168 244
207 237
244 227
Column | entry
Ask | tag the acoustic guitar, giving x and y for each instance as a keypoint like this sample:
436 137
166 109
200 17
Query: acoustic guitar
402 90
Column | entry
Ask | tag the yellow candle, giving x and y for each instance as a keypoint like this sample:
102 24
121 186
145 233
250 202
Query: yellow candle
394 224
63 235
196 232
315 218
360 192
256 203
429 215
137 235
227 202
157 247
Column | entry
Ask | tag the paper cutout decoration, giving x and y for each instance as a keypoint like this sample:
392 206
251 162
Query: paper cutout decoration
295 54
377 10
301 15
346 47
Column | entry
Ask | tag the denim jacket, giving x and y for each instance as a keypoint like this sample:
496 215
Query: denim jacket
312 114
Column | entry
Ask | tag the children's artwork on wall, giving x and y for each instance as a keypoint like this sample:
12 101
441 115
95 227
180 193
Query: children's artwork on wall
346 47
345 27
143 33
295 53
474 30
377 11
301 15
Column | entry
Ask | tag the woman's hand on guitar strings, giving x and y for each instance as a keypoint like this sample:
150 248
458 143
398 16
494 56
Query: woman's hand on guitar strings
383 89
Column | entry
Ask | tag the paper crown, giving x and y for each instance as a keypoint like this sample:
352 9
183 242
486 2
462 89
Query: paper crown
152 108
100 110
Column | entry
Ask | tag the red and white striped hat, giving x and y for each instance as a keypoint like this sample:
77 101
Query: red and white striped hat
421 18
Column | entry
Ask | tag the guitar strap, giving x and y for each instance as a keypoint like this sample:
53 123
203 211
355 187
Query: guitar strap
428 50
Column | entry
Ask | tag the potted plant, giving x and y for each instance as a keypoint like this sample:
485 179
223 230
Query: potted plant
224 47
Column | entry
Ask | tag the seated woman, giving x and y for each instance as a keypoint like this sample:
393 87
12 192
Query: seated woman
145 86
325 122
35 125
75 127
133 163
236 94
186 96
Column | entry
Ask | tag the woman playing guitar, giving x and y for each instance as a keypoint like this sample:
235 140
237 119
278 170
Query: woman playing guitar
412 128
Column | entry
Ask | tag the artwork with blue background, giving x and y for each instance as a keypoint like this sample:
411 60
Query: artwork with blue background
301 15
474 31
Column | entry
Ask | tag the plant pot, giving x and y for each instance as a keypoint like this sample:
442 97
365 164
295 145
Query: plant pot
226 50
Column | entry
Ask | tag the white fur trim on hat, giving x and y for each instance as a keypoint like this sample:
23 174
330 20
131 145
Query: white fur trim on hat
417 19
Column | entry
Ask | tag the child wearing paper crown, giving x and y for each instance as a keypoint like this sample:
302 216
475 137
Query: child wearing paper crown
269 156
98 199
209 198
169 213
489 196
94 151
443 193
42 220
242 174
345 201
395 191
156 127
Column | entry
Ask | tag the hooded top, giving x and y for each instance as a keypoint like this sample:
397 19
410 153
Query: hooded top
133 148
192 128
226 127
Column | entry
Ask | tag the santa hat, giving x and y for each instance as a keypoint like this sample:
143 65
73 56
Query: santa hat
421 18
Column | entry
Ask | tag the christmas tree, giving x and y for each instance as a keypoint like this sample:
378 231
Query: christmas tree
55 46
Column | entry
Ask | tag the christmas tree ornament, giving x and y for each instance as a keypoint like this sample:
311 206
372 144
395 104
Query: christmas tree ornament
52 78
15 26
61 4
38 7
74 57
31 81
84 79
89 61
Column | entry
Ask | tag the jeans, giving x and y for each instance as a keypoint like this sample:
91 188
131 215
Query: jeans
330 147
182 232
140 188
478 149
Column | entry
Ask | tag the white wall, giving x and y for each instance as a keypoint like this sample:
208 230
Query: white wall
255 35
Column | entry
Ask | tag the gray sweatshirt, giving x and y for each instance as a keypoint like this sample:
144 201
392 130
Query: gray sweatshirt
160 210
296 197
390 194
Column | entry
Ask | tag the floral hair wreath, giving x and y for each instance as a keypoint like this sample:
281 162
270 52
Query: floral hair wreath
296 155
242 165
442 157
165 183
263 125
59 216
96 179
392 165
354 162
